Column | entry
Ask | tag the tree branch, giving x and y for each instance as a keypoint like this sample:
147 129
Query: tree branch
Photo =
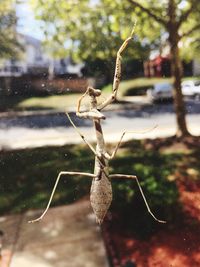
149 12
195 28
187 12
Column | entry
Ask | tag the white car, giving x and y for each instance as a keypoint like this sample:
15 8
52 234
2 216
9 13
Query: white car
191 88
160 91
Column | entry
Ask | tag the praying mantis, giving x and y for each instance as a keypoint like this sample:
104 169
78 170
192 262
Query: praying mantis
101 188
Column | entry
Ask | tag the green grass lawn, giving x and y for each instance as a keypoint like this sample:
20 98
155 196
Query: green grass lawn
139 86
27 176
53 102
50 102
58 102
136 86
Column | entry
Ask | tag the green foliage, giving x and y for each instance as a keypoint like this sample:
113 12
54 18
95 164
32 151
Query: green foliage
89 31
152 169
158 172
94 30
187 24
190 45
8 42
27 178
28 183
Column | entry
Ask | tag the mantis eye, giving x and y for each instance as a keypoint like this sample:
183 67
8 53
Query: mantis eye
97 92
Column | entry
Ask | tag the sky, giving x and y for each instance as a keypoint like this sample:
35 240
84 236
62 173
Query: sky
26 22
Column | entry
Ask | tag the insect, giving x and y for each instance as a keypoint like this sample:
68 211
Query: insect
101 188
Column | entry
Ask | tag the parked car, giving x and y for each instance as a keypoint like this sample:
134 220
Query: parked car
191 88
160 91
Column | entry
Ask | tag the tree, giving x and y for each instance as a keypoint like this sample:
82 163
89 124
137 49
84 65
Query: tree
8 40
95 29
91 30
174 20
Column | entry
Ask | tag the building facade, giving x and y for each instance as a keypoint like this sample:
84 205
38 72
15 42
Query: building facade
34 61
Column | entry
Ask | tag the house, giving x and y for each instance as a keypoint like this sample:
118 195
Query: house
34 72
157 67
34 61
158 64
66 66
31 59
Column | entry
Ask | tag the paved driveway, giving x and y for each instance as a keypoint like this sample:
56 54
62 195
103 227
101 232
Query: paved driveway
68 236
37 130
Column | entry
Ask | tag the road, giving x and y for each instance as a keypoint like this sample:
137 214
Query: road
54 129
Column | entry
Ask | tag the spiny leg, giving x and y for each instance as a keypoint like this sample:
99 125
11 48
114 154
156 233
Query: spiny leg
54 189
81 135
141 191
122 136
83 138
117 75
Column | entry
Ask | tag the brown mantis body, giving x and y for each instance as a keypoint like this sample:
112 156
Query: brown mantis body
101 189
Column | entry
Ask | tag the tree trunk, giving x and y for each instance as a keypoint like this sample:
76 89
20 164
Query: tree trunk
179 105
176 70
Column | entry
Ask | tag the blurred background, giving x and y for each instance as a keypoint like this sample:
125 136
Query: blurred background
50 52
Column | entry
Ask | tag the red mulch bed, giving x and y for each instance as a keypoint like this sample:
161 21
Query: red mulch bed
175 245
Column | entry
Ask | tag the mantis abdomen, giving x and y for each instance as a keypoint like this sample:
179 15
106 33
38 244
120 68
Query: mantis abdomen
101 196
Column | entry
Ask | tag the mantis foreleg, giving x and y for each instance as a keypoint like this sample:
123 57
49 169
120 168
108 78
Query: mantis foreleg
117 75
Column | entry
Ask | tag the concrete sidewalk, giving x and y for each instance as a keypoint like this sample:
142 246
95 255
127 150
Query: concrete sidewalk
67 237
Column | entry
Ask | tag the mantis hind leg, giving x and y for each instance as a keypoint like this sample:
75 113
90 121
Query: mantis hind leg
141 191
54 189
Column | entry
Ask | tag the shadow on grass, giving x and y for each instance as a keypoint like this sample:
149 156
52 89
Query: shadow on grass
10 103
163 167
130 233
27 178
